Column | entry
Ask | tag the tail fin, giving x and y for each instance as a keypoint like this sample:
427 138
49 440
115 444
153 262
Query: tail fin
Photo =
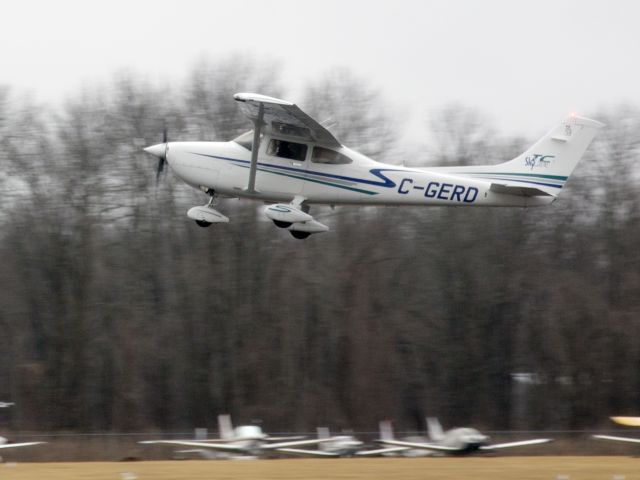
386 430
323 433
225 427
434 429
545 166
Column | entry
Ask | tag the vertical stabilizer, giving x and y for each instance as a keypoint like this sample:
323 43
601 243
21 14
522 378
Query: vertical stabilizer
225 427
547 164
434 429
386 430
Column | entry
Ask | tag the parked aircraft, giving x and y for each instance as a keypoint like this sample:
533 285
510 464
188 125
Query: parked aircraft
626 421
245 440
331 446
292 162
458 441
5 443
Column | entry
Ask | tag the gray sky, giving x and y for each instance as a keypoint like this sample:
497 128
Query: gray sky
526 64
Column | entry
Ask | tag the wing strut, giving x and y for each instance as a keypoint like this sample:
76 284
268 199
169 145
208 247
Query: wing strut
257 125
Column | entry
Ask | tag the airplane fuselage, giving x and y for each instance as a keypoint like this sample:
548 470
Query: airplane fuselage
224 168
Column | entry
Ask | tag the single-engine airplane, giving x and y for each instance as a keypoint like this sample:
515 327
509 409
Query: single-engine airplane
290 161
5 443
331 446
458 441
245 441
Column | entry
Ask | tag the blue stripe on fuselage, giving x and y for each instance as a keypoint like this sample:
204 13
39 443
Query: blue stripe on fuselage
387 182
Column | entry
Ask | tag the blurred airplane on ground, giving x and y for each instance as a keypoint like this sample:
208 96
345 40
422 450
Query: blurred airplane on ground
292 162
626 421
331 446
5 443
245 441
457 441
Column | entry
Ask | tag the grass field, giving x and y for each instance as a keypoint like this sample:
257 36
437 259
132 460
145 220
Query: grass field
487 468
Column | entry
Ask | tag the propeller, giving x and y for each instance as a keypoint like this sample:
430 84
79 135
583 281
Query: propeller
160 151
162 159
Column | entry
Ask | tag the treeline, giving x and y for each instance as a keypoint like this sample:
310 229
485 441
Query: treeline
117 313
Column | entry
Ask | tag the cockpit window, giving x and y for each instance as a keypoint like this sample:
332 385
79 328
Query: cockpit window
246 140
286 149
325 155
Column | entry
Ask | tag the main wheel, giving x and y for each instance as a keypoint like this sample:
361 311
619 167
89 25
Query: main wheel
203 224
281 224
299 235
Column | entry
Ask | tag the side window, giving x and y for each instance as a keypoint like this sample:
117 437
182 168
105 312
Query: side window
325 155
286 149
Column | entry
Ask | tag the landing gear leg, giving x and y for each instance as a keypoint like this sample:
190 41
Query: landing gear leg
213 197
206 215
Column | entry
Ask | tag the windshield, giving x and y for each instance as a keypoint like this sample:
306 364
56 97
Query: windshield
246 140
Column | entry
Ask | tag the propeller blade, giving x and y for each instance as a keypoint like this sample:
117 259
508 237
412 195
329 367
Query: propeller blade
160 168
162 159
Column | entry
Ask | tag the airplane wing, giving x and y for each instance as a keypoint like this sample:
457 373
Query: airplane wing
24 444
300 451
627 421
521 443
422 446
297 443
617 439
284 439
187 443
286 118
381 451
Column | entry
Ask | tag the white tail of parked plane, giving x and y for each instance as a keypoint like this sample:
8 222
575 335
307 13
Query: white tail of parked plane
226 427
434 429
545 167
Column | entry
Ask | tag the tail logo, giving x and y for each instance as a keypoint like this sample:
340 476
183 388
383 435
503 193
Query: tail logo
538 160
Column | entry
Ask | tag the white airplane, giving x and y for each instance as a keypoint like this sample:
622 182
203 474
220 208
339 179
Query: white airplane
458 441
4 443
291 162
626 421
331 446
240 442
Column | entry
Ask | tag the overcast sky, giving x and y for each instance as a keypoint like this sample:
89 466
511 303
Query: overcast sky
527 64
